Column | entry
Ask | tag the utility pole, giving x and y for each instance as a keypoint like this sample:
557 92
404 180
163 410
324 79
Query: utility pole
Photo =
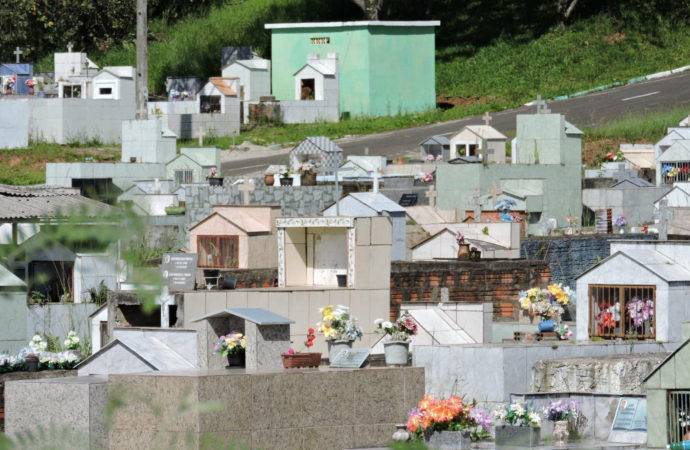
142 60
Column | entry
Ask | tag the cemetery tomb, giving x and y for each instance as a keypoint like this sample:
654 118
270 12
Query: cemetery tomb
674 135
437 146
470 141
212 97
675 163
318 78
319 150
636 293
113 83
236 237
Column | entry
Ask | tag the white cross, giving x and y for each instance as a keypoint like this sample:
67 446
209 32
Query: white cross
376 176
202 133
487 118
69 46
495 191
246 187
18 52
431 195
478 202
541 106
664 215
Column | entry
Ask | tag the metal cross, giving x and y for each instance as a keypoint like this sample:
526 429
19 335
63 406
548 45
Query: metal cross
495 191
431 195
245 188
69 46
18 52
487 118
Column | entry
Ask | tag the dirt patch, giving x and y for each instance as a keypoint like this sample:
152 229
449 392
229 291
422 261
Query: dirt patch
15 161
594 152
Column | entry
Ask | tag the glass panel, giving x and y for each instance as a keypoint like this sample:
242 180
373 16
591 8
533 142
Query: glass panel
208 251
229 254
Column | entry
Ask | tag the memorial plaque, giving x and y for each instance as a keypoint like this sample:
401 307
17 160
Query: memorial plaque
351 359
179 271
630 422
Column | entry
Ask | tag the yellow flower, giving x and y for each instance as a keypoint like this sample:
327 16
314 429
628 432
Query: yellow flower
532 293
524 303
243 343
326 311
329 317
555 289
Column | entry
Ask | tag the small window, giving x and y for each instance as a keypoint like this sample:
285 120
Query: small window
320 40
307 89
183 176
105 91
218 251
209 104
71 91
622 311
678 416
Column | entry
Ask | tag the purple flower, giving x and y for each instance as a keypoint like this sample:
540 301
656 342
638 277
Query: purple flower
481 418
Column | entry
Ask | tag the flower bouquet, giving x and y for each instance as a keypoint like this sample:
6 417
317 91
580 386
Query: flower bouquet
562 413
563 332
232 346
640 312
72 341
339 328
547 303
521 425
620 221
307 174
447 421
292 359
401 330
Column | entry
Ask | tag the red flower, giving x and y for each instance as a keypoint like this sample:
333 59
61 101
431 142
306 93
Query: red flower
311 331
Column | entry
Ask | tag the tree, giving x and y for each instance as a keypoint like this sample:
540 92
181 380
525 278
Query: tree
565 9
371 8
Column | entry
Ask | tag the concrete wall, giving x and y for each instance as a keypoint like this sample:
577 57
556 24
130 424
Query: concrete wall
14 123
490 373
89 270
636 204
187 126
59 319
309 111
145 141
13 334
161 109
123 174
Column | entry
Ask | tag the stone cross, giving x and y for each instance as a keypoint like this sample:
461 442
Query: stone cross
69 47
431 195
18 52
487 118
664 215
245 188
541 106
495 191
202 133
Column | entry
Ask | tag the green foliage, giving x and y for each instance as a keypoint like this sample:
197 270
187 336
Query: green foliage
175 210
98 294
54 343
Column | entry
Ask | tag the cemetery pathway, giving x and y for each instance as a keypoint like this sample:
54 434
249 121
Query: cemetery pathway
647 96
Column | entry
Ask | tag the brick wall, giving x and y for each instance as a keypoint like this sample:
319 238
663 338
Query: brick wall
569 256
485 281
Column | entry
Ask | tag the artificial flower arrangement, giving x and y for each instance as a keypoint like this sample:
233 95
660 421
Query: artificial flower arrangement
427 177
38 344
235 342
562 410
563 332
401 330
212 173
337 324
609 316
640 311
519 415
72 341
292 359
307 168
620 221
546 303
451 414
459 238
309 343
430 157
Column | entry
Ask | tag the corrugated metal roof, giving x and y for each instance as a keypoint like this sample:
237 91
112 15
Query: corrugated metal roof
27 202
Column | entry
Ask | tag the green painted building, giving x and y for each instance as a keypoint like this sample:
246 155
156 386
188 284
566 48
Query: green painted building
385 68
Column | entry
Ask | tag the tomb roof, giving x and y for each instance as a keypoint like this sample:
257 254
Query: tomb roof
483 132
8 279
359 23
253 64
652 260
24 202
678 151
222 86
245 223
319 66
635 181
119 71
316 143
377 201
572 129
258 316
437 139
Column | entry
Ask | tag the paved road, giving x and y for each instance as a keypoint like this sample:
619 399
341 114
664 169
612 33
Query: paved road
647 96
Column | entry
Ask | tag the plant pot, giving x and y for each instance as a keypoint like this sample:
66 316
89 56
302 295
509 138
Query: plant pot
308 179
215 181
396 352
235 360
269 179
401 434
335 347
546 325
31 363
560 433
464 251
301 360
510 435
342 280
286 181
132 159
229 282
447 440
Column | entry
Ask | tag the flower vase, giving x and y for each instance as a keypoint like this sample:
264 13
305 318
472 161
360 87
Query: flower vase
235 360
447 440
464 251
308 179
215 181
560 433
516 436
269 179
396 352
335 347
546 325
285 181
401 434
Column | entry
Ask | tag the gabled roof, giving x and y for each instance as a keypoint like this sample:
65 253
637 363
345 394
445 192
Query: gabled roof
483 132
204 156
667 359
319 66
671 190
653 261
359 23
252 64
27 202
119 71
316 143
243 222
8 279
678 151
221 84
258 316
377 201
635 181
18 68
438 139
572 129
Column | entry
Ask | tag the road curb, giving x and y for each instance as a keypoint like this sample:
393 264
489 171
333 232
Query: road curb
652 76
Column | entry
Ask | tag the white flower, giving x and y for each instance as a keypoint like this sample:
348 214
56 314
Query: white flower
387 324
378 322
534 419
517 409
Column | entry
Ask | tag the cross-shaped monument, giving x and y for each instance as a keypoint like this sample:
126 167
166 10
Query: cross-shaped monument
17 53
202 133
664 215
431 195
541 105
375 181
495 191
69 47
487 118
478 203
245 188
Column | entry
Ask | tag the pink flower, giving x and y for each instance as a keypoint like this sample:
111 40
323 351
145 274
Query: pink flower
290 352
